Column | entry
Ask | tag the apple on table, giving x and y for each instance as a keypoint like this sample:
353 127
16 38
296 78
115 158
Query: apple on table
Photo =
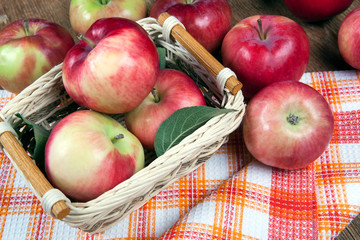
173 90
89 153
28 49
206 20
287 125
83 13
263 49
318 10
349 38
113 68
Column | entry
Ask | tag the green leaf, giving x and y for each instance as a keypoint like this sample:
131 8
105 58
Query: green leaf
35 144
162 56
181 124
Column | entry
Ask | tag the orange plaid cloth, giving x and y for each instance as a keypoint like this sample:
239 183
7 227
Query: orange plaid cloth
232 196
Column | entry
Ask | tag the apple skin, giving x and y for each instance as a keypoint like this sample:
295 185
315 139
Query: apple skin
175 90
118 73
83 13
273 140
206 20
24 57
282 55
315 11
349 38
83 159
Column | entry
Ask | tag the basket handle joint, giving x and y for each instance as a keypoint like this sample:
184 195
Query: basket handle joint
50 198
168 25
6 127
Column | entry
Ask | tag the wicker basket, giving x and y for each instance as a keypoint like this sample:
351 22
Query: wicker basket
46 101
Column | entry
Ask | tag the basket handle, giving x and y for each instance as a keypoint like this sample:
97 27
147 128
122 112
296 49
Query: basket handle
200 53
30 171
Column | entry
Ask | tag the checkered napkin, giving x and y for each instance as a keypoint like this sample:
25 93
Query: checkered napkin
232 196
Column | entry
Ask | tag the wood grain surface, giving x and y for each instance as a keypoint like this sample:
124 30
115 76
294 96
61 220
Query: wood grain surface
324 53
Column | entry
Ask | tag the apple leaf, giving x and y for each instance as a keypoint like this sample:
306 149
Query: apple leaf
182 123
162 57
34 138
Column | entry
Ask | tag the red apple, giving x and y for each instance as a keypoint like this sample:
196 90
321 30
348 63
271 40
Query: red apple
89 153
114 68
287 125
263 49
28 49
83 13
173 90
349 38
206 20
313 11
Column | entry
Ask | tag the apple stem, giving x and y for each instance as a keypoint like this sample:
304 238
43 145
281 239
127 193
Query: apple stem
104 2
155 95
26 27
117 137
293 119
87 40
261 32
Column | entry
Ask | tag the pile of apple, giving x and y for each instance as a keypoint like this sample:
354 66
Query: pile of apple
114 68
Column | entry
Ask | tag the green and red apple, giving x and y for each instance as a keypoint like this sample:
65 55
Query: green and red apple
28 49
349 38
89 153
173 90
263 49
206 20
288 125
113 68
83 13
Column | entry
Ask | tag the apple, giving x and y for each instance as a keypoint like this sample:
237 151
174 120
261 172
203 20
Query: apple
263 49
113 68
89 153
206 20
349 38
173 90
319 10
28 49
83 13
287 125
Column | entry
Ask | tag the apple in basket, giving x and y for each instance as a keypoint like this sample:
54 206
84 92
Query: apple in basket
83 13
89 153
173 90
349 38
206 20
313 11
263 49
287 125
28 49
113 68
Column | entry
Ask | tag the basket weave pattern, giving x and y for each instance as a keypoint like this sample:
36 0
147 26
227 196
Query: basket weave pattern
45 102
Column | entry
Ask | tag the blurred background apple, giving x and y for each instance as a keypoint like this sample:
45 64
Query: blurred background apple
206 20
83 13
349 38
318 10
28 49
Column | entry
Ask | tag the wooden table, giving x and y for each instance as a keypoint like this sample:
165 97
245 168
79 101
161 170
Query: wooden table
324 54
